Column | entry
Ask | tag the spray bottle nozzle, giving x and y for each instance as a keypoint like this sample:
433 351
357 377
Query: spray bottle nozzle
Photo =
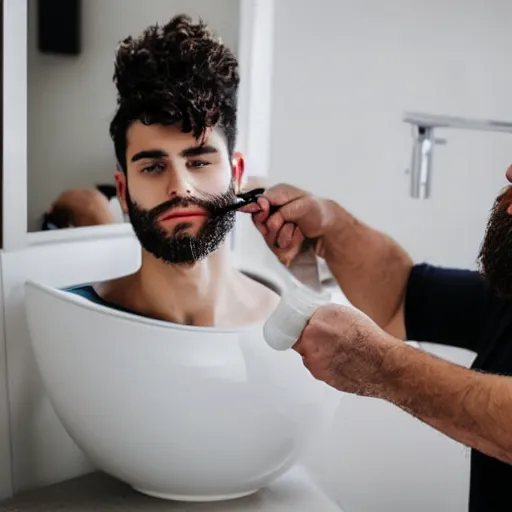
285 325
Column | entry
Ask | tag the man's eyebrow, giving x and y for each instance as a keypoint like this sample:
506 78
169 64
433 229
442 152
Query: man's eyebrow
149 153
198 150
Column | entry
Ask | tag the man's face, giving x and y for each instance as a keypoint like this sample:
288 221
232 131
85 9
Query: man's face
173 185
495 256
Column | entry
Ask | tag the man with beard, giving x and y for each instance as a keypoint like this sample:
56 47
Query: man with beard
174 135
364 354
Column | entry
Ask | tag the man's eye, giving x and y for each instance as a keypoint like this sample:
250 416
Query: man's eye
197 164
153 168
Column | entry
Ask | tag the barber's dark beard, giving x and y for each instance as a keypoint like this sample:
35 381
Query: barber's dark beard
179 246
495 256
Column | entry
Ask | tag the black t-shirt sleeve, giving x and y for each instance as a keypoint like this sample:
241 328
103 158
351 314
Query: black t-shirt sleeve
447 306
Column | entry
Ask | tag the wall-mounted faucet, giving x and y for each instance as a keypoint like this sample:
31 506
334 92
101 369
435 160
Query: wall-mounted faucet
423 126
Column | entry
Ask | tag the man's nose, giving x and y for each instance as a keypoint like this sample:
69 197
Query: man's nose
508 174
178 184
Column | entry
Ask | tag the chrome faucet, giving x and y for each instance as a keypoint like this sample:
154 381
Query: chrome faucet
423 126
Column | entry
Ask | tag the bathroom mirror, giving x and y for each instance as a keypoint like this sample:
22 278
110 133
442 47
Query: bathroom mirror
71 97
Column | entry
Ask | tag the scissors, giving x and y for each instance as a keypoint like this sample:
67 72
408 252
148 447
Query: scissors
245 198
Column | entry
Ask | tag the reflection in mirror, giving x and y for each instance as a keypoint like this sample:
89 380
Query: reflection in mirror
72 99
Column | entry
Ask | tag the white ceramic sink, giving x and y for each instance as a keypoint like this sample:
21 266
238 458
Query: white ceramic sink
177 412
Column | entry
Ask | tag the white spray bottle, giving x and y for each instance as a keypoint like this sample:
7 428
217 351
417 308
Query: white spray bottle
285 325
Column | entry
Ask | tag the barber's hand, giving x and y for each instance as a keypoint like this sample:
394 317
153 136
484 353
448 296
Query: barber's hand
345 349
301 217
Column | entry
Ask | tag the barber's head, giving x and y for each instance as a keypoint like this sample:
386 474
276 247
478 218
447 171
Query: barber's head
495 255
174 136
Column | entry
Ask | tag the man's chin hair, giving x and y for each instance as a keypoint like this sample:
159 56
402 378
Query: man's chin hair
187 250
495 254
500 285
180 247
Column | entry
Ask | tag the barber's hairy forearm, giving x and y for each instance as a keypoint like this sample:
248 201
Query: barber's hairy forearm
370 267
471 407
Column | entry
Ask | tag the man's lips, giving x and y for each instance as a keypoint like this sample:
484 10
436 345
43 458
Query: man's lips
180 214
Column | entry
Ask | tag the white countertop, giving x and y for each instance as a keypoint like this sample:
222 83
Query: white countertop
97 492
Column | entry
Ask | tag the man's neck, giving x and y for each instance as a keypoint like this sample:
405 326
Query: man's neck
211 292
194 294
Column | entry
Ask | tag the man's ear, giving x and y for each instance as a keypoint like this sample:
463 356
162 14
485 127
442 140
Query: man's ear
238 168
121 187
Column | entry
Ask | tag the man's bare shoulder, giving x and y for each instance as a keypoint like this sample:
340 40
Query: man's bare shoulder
115 290
249 300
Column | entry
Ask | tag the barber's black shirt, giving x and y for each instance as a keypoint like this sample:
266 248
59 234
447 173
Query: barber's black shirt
457 308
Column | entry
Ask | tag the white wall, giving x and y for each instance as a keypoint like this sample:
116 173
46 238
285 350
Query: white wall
71 100
345 70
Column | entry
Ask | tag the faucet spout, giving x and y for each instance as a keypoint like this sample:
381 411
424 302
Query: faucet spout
421 162
423 143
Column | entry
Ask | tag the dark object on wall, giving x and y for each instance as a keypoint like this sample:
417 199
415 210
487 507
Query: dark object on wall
59 26
109 191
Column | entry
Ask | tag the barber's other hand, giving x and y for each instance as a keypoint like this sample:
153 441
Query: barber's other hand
345 349
301 216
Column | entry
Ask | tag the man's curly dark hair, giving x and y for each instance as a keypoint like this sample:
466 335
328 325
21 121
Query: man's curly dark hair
176 73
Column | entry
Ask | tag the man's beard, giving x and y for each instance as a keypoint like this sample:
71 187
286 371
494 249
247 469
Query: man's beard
495 256
179 246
